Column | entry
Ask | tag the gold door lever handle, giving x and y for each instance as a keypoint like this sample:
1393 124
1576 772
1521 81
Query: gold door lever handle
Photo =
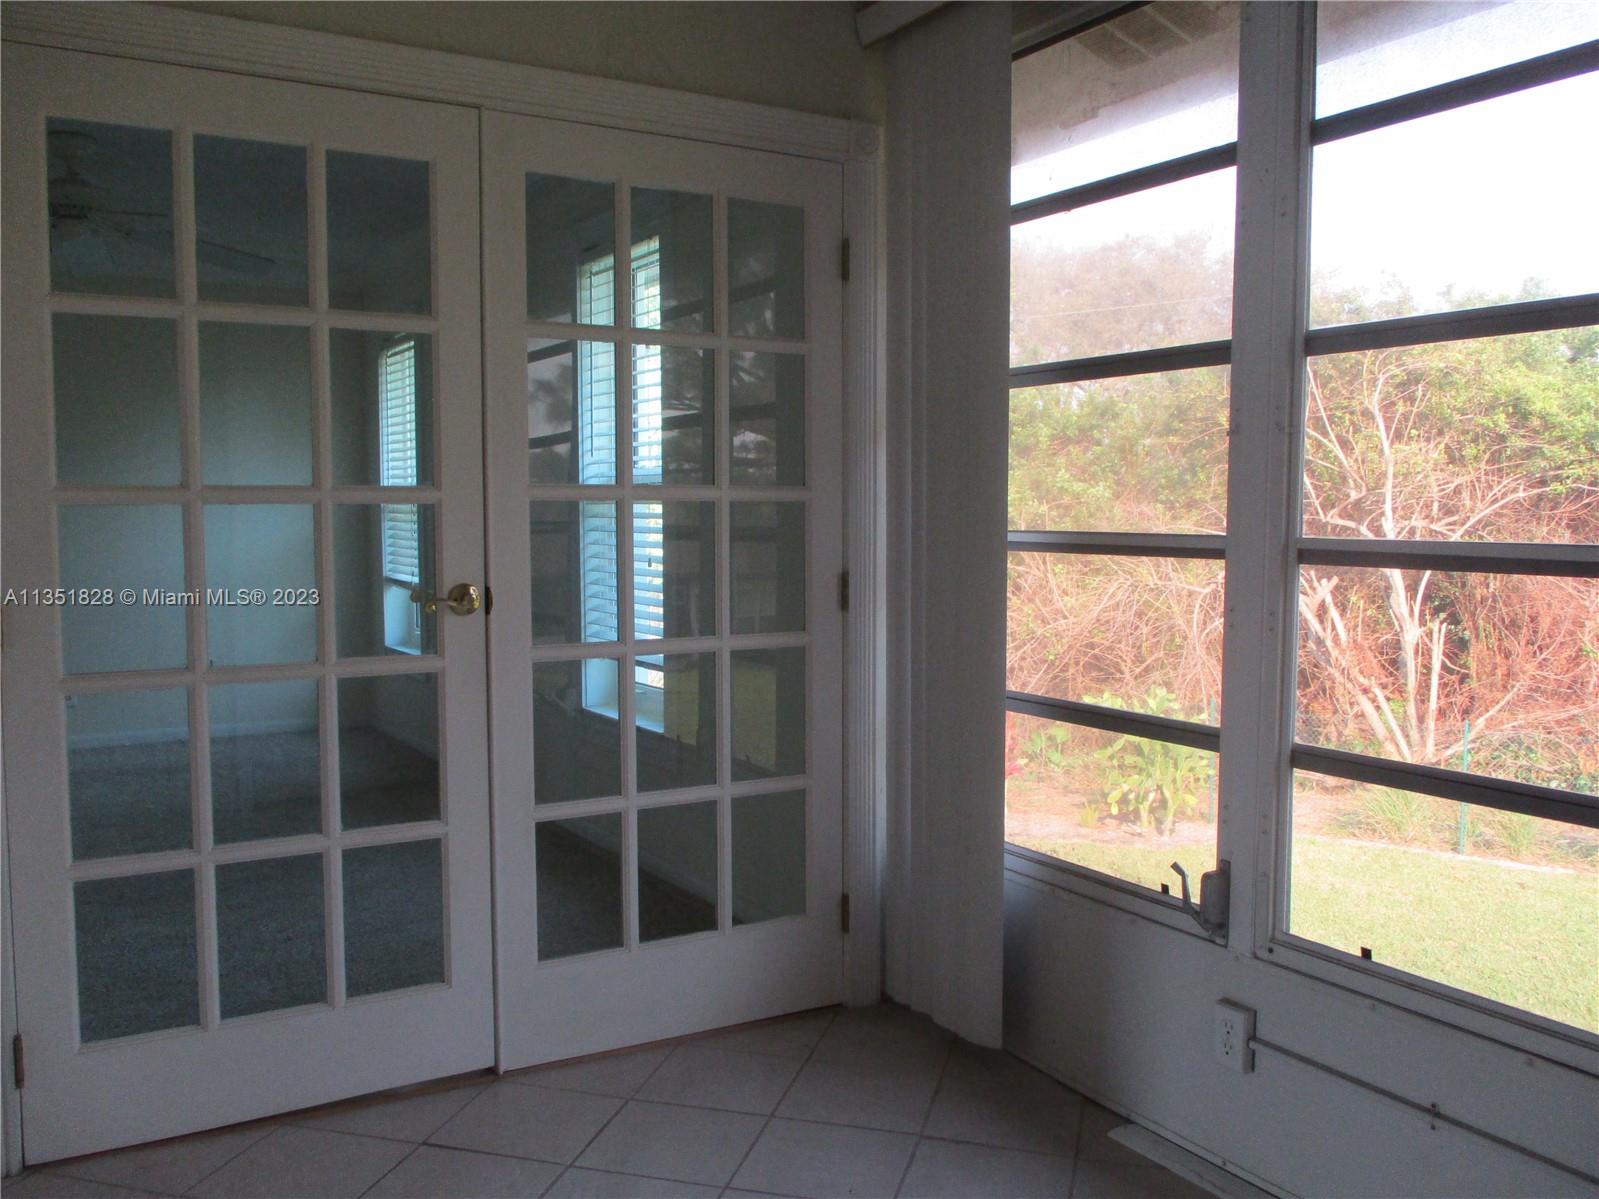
463 599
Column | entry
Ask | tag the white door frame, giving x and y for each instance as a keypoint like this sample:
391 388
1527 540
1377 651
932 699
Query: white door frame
252 48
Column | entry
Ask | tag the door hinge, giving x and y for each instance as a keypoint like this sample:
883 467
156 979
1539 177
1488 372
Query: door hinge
843 260
843 912
19 1072
843 591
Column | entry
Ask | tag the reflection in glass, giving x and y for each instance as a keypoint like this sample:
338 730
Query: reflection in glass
1394 250
1370 52
1494 674
270 948
382 407
379 233
574 585
768 712
674 419
393 917
115 380
266 548
1125 806
768 856
571 411
110 209
577 732
250 219
388 749
676 870
766 419
266 760
255 404
766 269
138 546
674 569
1155 83
768 553
571 250
1148 454
137 964
674 706
579 864
1139 633
383 571
1135 273
1471 440
671 239
128 772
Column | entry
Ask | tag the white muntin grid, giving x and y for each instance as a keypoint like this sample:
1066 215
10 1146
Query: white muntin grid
629 648
187 312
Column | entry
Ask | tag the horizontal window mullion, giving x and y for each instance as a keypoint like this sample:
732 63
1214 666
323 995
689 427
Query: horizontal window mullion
1135 545
1530 316
1120 366
1504 795
1173 170
1115 720
1559 561
1500 81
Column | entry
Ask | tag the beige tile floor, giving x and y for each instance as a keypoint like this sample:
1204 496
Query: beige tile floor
869 1102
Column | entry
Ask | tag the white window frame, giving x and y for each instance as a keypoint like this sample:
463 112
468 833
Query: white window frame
1264 547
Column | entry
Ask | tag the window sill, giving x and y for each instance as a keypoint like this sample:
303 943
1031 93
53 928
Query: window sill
1100 888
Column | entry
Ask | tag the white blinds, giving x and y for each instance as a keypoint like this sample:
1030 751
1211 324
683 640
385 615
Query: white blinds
397 460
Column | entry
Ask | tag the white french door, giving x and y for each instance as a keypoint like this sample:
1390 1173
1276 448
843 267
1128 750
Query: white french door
245 750
664 497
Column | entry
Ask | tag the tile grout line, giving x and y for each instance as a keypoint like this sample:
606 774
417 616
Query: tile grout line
568 1167
405 1157
921 1132
772 1115
204 1178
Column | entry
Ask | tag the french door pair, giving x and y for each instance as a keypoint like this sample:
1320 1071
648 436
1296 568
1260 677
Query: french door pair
381 520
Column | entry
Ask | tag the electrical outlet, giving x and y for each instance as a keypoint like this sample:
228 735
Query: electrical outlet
1234 1029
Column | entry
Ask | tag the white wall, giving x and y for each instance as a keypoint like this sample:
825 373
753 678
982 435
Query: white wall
796 55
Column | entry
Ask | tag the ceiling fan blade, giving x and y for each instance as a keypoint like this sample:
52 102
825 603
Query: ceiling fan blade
232 258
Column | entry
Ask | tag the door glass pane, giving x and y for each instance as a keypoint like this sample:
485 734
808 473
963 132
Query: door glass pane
116 399
766 269
1135 273
674 711
135 548
1125 806
574 585
260 575
393 917
671 238
128 772
255 404
674 419
270 943
577 732
768 550
379 233
768 856
571 250
383 571
137 964
250 221
768 712
676 870
571 411
1143 454
674 569
767 419
110 209
266 775
579 864
382 401
388 749
1390 251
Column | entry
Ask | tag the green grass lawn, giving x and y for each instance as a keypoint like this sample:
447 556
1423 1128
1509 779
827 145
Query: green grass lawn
1526 936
